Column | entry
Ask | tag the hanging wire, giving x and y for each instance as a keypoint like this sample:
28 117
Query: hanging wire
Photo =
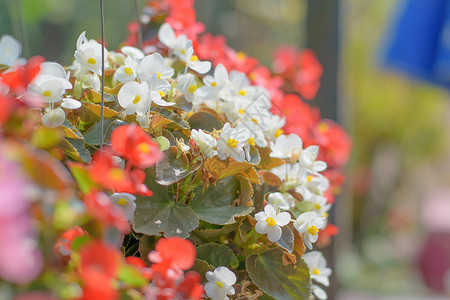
138 20
102 103
21 28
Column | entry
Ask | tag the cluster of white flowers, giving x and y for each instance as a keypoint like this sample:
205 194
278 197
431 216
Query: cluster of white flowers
151 80
301 175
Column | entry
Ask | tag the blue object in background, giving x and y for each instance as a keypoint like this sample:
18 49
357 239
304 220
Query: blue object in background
418 43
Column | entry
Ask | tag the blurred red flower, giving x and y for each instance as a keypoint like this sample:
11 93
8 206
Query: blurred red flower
98 268
134 144
101 207
171 256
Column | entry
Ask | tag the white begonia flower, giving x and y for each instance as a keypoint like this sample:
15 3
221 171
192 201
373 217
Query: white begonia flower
177 44
210 93
49 87
220 283
272 127
54 118
309 223
153 64
127 72
158 88
127 202
192 61
231 142
240 88
70 103
89 54
308 159
312 186
205 142
319 292
187 85
116 58
54 69
320 205
317 265
10 50
285 145
283 201
91 81
291 176
133 52
133 96
270 223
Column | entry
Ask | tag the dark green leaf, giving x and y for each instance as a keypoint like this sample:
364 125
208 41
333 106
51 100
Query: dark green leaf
160 214
205 121
215 204
280 281
217 255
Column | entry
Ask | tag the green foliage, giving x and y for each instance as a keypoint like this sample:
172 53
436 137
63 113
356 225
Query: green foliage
278 280
217 255
215 204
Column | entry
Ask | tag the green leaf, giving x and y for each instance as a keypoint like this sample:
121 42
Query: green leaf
70 131
92 135
287 239
131 276
75 148
174 167
280 281
201 267
160 214
163 143
215 204
82 176
217 255
90 112
205 121
46 138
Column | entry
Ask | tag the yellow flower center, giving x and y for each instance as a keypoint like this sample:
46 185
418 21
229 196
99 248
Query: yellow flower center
91 61
271 222
122 201
252 76
309 178
241 55
194 58
325 214
144 148
251 141
159 75
255 121
137 99
192 88
317 206
232 143
278 132
161 93
116 174
190 113
242 93
315 271
47 93
128 70
219 284
313 230
241 111
323 127
213 83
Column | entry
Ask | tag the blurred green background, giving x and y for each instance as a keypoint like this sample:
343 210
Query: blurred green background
399 127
